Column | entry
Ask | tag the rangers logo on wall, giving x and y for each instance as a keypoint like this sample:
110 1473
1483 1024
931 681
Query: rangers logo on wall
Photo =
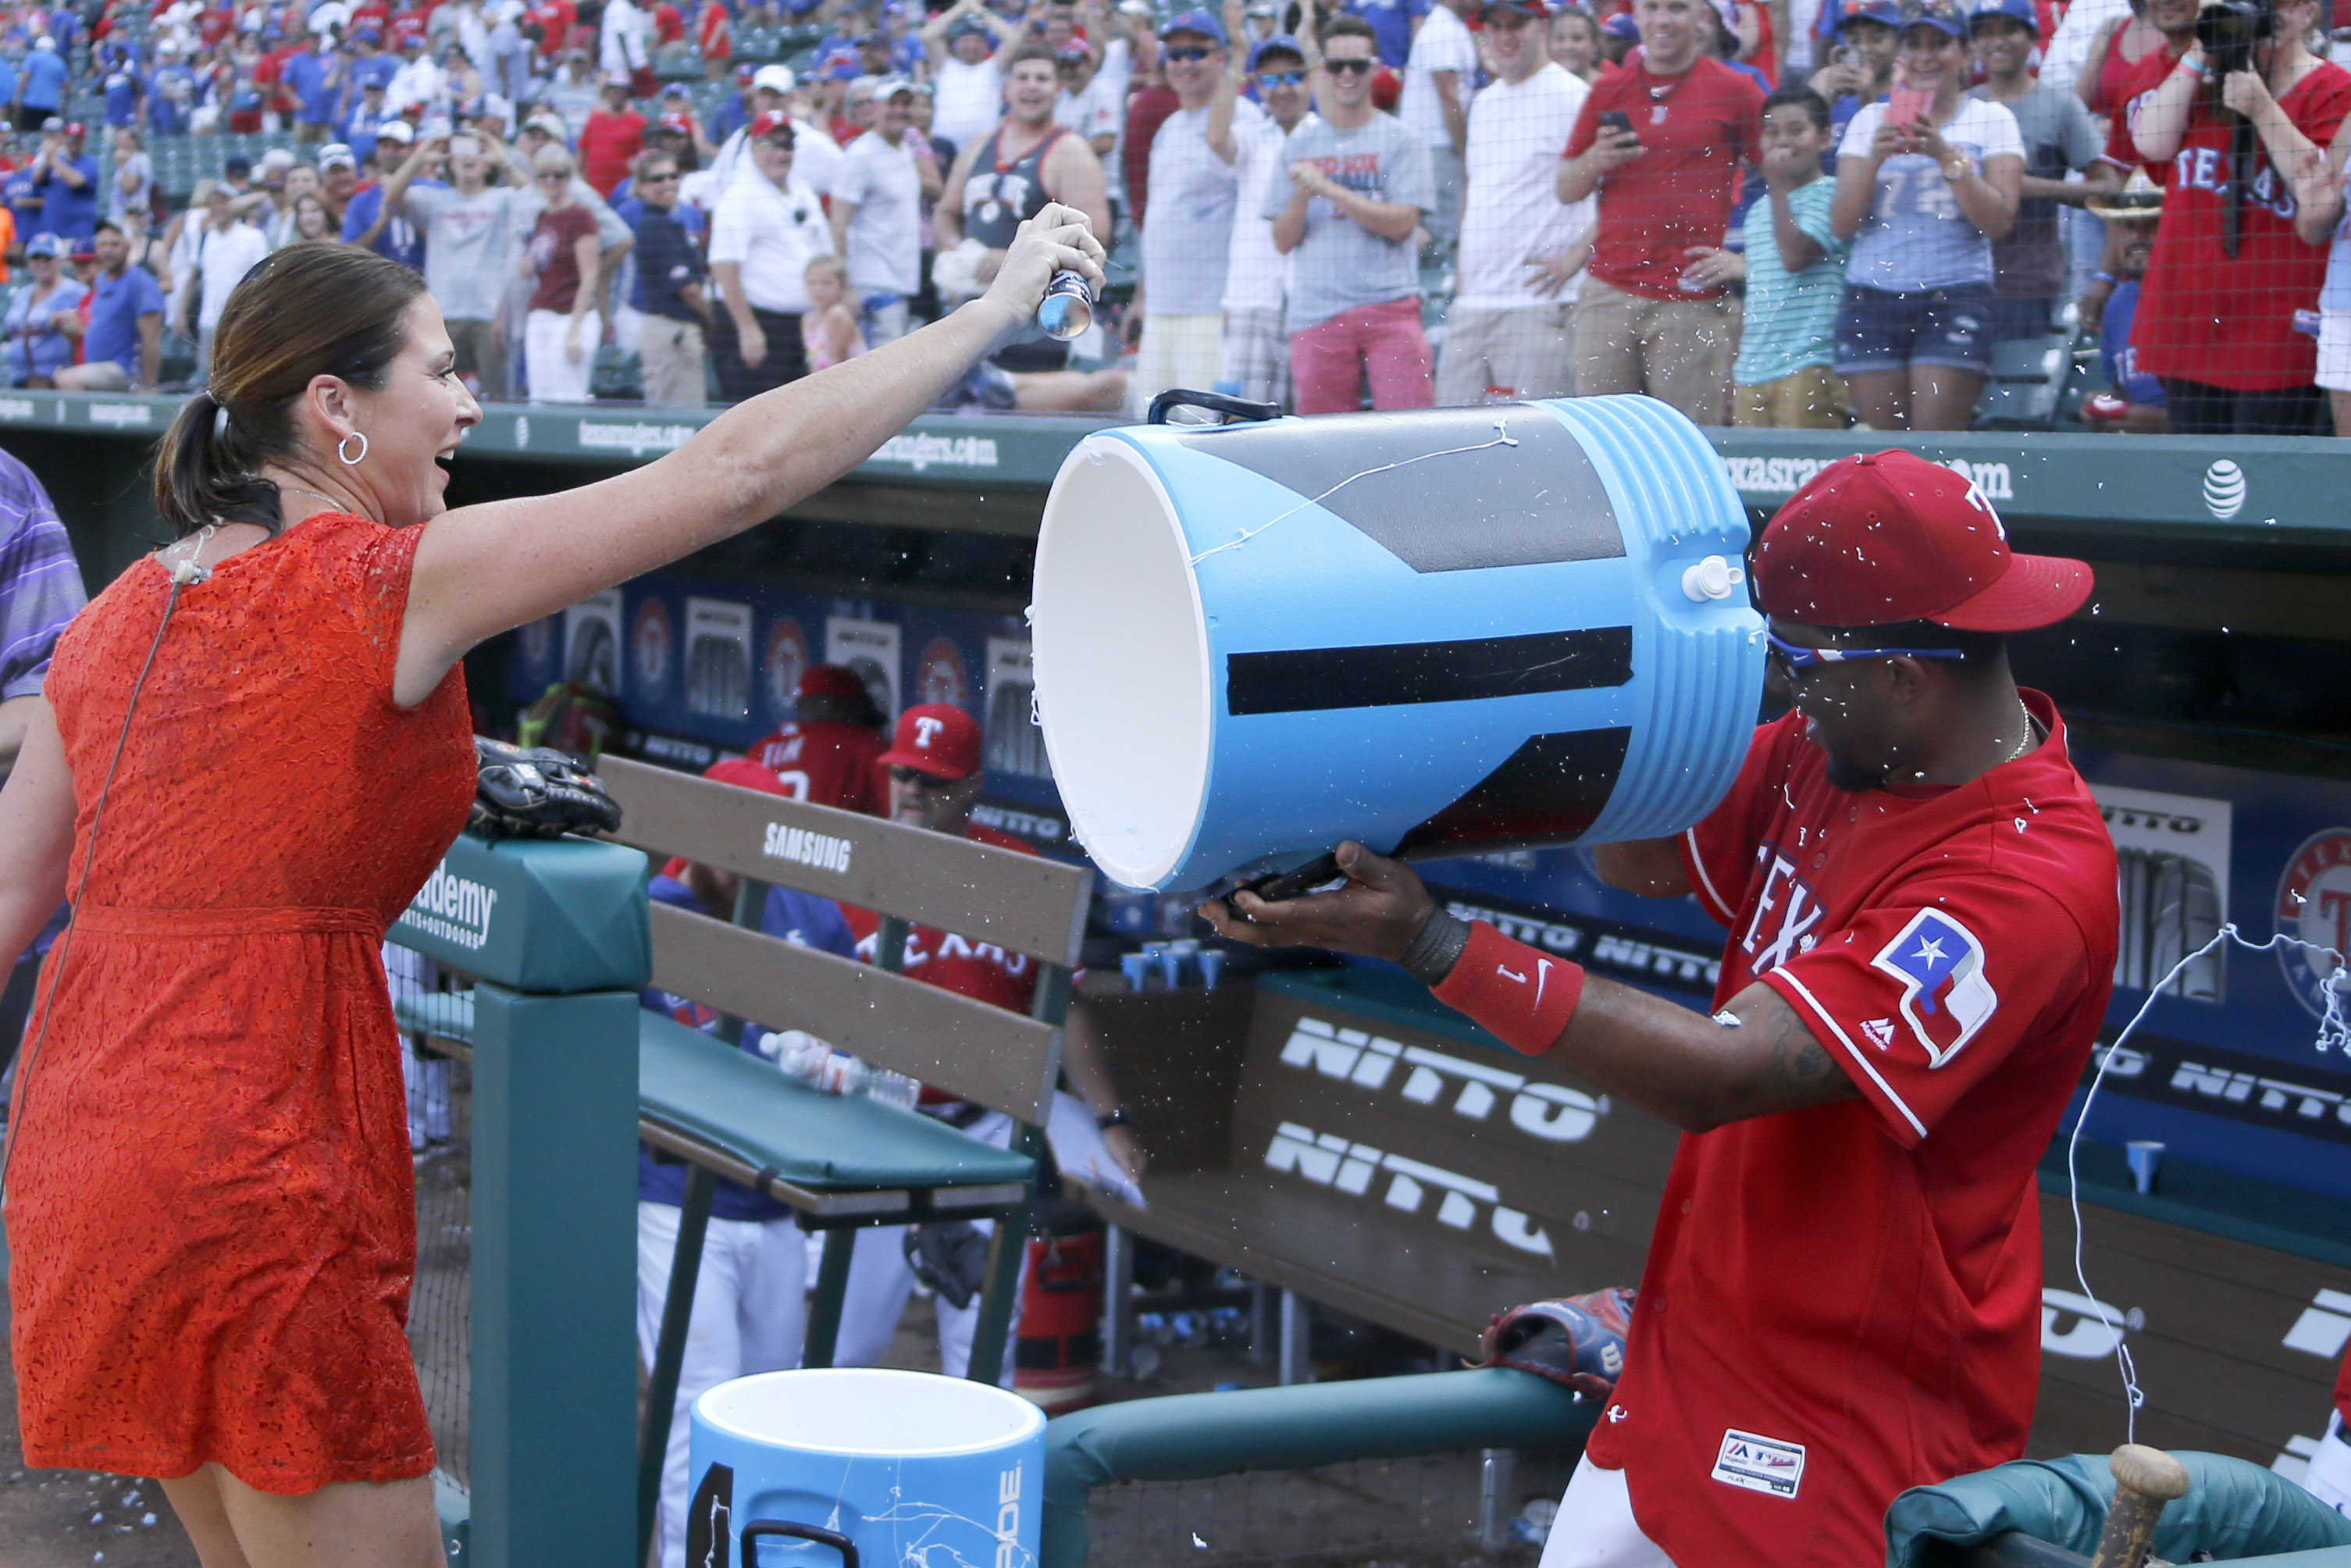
2314 904
651 644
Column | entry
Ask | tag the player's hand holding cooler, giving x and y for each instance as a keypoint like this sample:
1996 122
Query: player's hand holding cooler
1843 1293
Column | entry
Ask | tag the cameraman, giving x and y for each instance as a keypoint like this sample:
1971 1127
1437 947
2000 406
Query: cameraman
2220 330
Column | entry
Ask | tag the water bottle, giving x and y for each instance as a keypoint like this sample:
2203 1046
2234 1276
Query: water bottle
1068 308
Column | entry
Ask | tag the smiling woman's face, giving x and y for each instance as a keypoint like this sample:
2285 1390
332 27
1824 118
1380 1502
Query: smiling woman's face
418 418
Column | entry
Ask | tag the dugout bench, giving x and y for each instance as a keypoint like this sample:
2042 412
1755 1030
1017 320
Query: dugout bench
840 1163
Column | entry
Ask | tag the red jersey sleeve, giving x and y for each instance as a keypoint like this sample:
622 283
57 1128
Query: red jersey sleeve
1587 128
1925 991
1746 135
1719 853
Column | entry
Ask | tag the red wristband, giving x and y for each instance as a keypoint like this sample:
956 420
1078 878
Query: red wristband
1525 997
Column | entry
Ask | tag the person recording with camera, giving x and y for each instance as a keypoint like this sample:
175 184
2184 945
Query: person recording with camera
2216 322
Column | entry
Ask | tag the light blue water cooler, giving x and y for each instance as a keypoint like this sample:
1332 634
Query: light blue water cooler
1440 632
863 1467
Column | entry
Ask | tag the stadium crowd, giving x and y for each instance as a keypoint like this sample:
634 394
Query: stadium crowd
1793 213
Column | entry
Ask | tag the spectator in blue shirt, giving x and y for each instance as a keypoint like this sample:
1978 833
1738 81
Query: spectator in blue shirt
369 62
40 85
735 113
122 341
358 131
67 182
36 348
126 91
317 83
8 79
365 221
670 288
24 201
1394 22
171 92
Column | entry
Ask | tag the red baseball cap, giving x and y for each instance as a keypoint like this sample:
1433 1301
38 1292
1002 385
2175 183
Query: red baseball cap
829 680
768 122
1888 536
938 738
747 774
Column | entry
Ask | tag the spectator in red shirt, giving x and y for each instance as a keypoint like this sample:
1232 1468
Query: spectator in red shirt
2219 329
613 136
1642 323
715 35
830 754
554 19
1919 891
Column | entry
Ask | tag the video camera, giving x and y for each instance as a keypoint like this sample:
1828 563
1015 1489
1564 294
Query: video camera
2229 30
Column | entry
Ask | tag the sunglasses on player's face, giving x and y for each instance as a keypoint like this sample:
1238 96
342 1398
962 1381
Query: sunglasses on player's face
1349 67
930 783
1793 657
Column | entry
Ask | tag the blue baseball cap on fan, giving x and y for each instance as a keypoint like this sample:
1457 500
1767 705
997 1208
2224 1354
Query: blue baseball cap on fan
1281 43
1883 12
2018 11
1204 23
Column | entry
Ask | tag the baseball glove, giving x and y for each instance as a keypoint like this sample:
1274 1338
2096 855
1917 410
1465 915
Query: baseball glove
1578 1341
540 793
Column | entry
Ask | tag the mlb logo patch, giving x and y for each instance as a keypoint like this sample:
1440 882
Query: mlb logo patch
1759 1464
1946 998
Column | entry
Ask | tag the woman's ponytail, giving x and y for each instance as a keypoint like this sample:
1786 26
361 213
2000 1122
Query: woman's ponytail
202 477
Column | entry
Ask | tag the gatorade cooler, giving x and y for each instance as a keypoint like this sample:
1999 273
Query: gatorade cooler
1057 1362
1440 632
853 1466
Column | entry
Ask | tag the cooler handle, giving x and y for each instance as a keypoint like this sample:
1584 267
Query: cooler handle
1244 410
818 1533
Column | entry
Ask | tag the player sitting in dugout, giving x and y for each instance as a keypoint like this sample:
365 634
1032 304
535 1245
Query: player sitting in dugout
1842 1296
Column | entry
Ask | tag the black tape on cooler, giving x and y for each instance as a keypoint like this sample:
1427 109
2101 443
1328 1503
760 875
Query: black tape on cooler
1392 674
1536 501
1548 791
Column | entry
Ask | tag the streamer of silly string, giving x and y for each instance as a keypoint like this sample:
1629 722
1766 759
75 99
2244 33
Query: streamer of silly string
2333 1034
1502 437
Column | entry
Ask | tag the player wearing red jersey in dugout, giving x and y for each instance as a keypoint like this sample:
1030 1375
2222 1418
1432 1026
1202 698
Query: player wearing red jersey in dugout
829 754
1842 1297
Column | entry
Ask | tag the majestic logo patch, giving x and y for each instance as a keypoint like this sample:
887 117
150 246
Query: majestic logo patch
1880 1032
1945 996
1759 1464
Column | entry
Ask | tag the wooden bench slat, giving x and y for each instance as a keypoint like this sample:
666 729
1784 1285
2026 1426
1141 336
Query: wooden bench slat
971 1048
1024 903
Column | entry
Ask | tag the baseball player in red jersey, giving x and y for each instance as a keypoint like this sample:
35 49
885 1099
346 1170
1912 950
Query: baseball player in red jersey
1843 1294
934 782
828 755
2328 1478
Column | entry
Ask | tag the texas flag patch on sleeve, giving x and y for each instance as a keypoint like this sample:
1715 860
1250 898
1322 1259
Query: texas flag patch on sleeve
1945 998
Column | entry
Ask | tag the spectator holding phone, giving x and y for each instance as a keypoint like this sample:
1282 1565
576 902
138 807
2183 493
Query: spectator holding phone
1926 182
1661 140
1861 69
2219 329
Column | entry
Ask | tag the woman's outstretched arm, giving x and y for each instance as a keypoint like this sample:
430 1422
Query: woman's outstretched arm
482 570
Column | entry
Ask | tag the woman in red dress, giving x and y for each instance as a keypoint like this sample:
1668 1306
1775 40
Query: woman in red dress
209 1200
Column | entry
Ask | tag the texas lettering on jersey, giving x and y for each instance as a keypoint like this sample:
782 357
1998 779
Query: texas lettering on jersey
2207 169
1788 915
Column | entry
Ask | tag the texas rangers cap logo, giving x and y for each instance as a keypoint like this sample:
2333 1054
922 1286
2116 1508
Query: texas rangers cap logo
1945 996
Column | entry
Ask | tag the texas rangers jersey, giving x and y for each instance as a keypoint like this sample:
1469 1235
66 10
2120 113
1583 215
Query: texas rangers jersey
1843 1301
827 765
959 964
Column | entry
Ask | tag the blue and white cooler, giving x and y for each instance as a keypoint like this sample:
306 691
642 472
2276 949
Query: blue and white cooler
863 1467
1438 632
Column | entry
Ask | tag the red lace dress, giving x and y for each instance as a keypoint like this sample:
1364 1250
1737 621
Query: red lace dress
211 1209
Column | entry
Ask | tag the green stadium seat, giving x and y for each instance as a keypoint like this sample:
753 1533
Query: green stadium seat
2027 382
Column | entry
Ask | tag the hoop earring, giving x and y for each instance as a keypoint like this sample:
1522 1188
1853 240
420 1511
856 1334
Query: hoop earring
345 458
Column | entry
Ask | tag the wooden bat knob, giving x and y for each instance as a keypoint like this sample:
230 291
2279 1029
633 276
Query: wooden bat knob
2150 1472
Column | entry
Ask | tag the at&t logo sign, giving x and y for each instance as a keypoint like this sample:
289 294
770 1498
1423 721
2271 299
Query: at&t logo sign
2224 489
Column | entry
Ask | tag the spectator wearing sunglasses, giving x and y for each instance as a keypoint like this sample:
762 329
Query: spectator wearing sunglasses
670 290
1255 349
1507 335
1358 187
1188 231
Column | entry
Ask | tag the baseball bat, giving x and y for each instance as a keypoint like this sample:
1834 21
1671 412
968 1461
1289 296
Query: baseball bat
2145 1479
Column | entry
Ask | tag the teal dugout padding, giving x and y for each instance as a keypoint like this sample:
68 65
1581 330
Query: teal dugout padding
558 931
2233 1508
1191 1437
550 917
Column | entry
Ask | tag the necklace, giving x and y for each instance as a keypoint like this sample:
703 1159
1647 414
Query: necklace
339 505
2031 724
